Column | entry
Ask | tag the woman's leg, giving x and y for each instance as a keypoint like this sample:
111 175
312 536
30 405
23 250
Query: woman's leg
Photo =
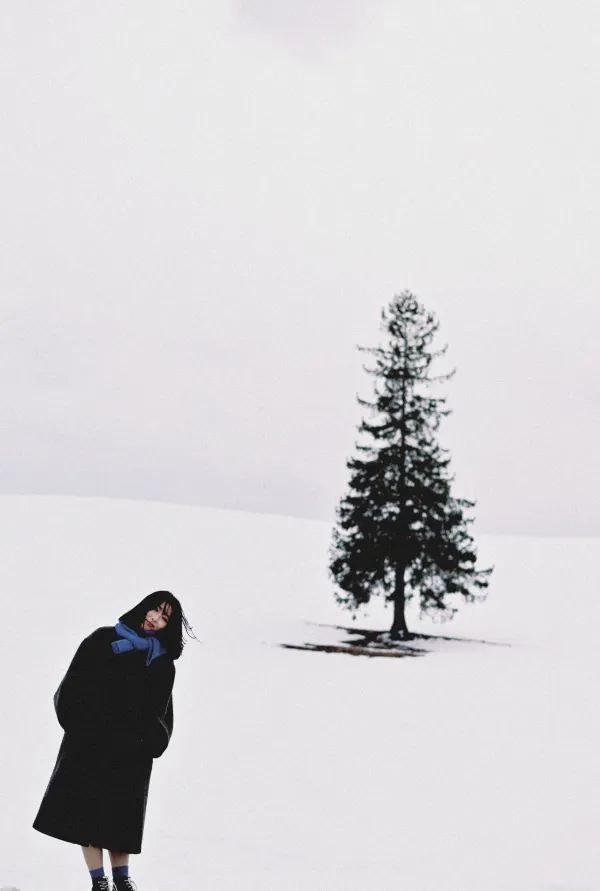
118 858
93 856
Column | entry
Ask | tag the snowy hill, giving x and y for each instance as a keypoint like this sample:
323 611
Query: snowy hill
472 767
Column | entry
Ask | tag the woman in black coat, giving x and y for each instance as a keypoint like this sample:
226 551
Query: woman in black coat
115 705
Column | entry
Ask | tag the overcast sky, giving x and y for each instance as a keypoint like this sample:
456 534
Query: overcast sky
205 207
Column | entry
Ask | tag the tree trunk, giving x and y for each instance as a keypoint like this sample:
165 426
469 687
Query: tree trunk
399 629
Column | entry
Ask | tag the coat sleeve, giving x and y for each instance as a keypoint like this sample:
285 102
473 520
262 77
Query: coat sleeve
74 700
158 718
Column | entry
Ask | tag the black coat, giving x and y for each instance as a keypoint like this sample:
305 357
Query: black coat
117 714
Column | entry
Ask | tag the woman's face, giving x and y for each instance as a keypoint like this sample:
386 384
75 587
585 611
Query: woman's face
157 619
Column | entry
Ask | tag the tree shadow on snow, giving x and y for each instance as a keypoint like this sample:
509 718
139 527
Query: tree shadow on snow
366 642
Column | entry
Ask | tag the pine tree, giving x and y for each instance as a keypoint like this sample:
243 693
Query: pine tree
400 532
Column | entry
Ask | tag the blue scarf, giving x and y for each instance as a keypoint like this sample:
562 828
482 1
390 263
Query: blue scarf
133 641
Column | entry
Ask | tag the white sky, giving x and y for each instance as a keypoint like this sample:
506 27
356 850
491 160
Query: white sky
204 208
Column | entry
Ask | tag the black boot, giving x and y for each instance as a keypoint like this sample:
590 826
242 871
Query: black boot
103 883
124 883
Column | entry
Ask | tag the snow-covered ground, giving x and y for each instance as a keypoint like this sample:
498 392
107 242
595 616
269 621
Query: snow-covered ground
473 767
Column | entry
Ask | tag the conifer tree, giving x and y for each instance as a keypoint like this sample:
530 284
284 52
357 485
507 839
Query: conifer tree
400 532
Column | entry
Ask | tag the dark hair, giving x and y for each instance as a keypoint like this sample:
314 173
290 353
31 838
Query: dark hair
172 635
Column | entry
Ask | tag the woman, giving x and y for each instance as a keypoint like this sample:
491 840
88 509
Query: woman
115 705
